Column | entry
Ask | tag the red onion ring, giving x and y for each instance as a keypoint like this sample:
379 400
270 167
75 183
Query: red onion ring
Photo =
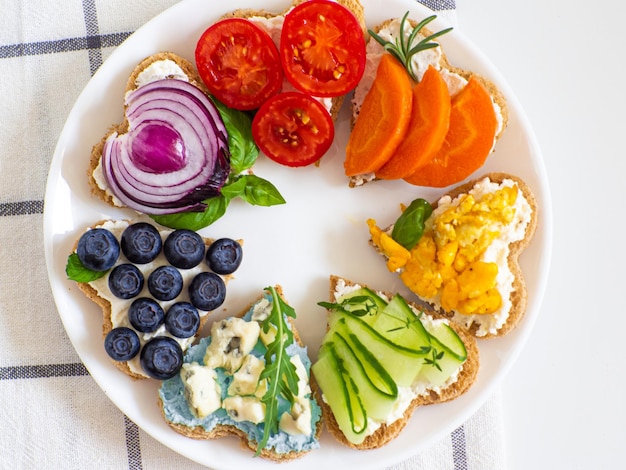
175 153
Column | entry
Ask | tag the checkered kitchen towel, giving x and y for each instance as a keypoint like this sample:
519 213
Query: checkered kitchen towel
52 414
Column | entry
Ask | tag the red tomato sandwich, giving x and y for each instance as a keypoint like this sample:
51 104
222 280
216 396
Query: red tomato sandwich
299 85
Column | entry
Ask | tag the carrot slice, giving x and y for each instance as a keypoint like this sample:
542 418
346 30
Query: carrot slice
468 142
383 119
428 127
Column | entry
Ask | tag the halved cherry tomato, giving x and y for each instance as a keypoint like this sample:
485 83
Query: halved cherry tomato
293 129
239 63
322 48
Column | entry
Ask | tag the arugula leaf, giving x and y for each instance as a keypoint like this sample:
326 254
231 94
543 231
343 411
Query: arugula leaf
79 273
280 372
216 208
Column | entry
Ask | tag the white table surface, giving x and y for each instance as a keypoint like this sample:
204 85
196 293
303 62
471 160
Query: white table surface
564 402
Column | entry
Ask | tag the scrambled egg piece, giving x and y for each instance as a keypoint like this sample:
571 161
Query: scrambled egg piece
446 261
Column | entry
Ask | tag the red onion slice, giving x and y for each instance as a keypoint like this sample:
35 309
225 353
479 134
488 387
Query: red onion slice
175 153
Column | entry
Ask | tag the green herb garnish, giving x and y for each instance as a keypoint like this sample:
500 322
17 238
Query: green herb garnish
409 227
280 372
79 273
359 306
434 358
241 183
403 49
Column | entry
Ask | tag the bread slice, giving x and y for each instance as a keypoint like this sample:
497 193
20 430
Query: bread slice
197 429
503 321
387 432
454 76
131 368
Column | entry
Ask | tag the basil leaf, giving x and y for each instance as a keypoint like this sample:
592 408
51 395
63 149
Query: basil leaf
243 150
234 188
216 208
260 192
409 227
79 273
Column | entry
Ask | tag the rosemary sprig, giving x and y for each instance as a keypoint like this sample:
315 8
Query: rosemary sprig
403 48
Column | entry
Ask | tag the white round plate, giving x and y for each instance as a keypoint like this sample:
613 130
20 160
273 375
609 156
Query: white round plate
320 231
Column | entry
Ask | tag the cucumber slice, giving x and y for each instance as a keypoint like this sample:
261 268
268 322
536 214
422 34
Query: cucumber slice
377 403
443 359
374 370
402 364
446 337
341 397
400 325
438 367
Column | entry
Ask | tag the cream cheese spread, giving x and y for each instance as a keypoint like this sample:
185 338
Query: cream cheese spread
160 70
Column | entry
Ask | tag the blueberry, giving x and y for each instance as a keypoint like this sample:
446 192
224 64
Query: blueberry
184 248
182 320
146 315
126 281
224 256
207 291
98 249
165 283
161 358
141 243
121 344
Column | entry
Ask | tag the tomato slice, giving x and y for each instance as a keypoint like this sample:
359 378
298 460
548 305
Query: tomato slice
239 63
293 129
322 48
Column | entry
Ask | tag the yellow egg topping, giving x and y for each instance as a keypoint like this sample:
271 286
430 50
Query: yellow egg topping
447 261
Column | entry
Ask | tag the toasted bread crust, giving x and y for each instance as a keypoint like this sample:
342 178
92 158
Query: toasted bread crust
222 430
105 305
518 295
387 432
